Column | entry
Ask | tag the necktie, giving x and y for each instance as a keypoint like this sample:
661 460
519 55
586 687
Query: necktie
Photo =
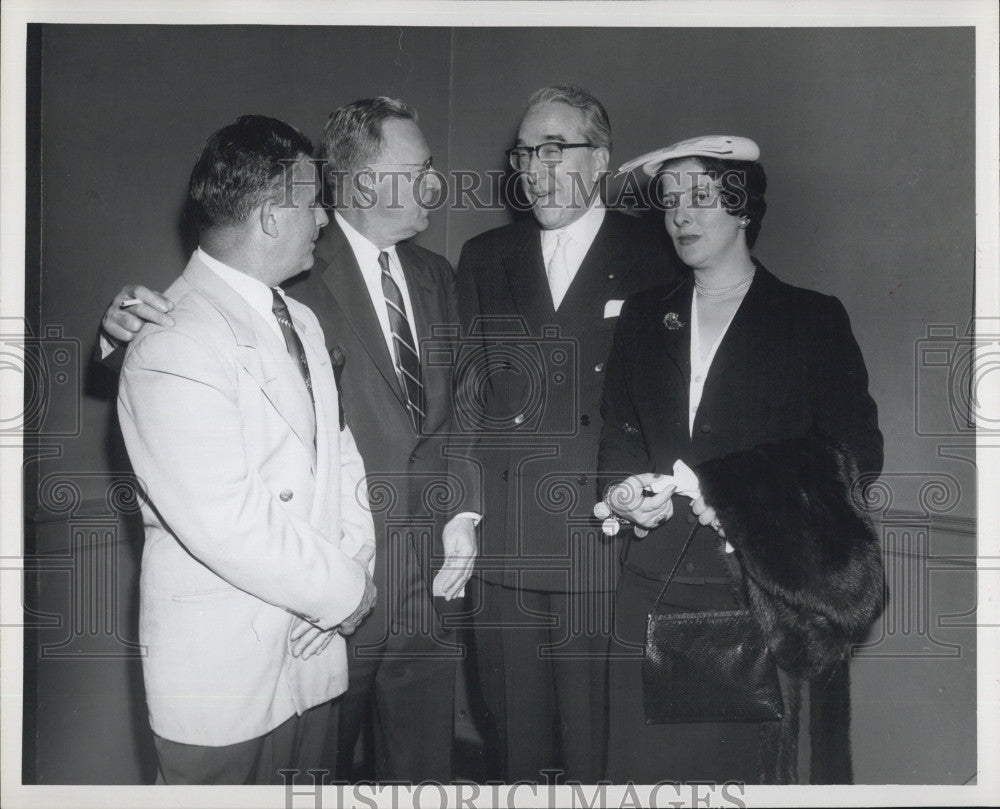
558 269
293 345
404 349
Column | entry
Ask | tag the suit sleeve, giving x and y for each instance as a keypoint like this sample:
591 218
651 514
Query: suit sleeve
462 463
623 449
843 409
355 511
184 433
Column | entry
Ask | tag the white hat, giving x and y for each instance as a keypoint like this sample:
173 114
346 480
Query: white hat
725 147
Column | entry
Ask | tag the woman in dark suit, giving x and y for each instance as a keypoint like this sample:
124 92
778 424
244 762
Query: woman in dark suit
760 388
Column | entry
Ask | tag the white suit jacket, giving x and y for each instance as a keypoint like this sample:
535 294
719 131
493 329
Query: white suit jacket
249 524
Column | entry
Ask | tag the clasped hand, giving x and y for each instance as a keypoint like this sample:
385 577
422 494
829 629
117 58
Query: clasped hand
307 639
645 499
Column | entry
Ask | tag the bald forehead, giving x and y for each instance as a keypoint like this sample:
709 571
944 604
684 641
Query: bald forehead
403 142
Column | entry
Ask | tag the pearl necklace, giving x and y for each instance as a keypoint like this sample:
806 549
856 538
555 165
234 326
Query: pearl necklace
726 291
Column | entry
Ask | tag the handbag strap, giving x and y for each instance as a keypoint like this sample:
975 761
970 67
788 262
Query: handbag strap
677 564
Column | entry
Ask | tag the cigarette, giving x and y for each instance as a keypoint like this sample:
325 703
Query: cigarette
125 304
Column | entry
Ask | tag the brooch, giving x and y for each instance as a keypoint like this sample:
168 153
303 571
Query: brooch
672 321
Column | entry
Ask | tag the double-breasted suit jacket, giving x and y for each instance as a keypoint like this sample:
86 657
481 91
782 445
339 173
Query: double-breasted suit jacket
540 394
255 504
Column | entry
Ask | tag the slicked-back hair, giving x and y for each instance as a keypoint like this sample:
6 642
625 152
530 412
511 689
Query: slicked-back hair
743 183
240 166
352 137
596 126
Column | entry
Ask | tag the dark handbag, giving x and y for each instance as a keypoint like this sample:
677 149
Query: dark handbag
710 666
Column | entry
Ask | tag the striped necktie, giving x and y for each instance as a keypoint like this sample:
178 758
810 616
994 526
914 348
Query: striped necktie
293 345
404 348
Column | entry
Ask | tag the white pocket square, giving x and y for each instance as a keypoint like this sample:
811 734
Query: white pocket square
613 308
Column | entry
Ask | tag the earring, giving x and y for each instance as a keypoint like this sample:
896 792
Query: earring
744 222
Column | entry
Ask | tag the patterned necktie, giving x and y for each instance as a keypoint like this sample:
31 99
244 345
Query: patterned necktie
292 342
558 269
404 348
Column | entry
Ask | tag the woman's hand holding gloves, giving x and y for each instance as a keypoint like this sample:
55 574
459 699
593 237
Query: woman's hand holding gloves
645 500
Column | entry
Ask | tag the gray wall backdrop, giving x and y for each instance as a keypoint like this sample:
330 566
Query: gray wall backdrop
867 137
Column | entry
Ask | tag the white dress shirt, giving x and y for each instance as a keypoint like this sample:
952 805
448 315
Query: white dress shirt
367 255
582 233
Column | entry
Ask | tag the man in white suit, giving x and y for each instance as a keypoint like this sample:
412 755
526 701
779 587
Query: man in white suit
258 535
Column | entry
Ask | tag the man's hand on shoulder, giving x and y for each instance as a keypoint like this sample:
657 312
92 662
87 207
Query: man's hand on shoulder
133 306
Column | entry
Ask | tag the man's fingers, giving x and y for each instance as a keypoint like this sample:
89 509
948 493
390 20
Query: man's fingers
447 579
315 645
153 299
141 312
365 554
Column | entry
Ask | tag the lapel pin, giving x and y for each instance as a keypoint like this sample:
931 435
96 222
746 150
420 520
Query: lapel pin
672 321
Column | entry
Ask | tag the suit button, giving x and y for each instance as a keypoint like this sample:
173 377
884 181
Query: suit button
503 475
706 428
286 495
519 419
585 420
583 480
689 567
599 367
412 459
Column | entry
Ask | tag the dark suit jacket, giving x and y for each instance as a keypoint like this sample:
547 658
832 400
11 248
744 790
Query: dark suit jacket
787 366
415 481
537 393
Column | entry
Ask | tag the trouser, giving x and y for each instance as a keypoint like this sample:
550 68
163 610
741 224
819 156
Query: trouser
402 673
542 671
296 744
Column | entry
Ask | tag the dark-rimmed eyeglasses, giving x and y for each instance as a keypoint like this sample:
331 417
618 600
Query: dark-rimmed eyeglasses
549 153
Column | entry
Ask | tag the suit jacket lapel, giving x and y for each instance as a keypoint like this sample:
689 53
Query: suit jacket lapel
742 337
343 278
591 286
261 353
426 315
327 415
675 327
529 285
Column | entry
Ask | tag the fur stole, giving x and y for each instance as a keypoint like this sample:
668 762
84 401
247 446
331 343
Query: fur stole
810 564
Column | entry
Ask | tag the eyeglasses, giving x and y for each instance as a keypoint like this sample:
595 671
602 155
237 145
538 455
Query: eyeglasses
549 153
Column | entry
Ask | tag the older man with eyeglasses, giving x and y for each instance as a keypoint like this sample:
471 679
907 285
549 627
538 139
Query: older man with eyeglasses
543 295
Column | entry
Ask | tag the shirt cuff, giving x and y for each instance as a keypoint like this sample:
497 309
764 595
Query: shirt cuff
476 518
106 345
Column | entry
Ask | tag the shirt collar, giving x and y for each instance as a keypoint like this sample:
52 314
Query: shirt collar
256 293
583 230
365 251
